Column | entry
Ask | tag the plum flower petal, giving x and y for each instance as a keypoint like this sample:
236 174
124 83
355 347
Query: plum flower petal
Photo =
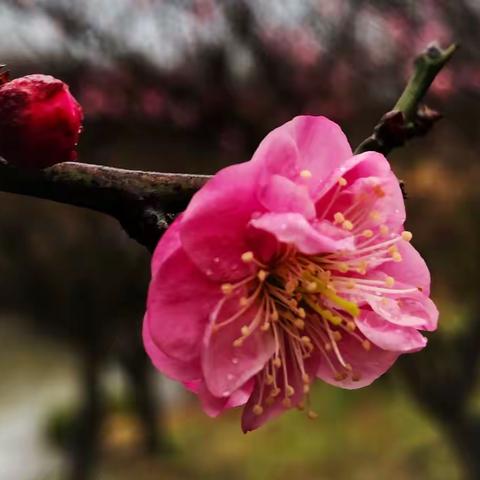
212 405
170 242
367 366
390 336
281 195
290 267
234 349
412 270
173 368
182 297
406 310
293 228
306 150
370 187
228 199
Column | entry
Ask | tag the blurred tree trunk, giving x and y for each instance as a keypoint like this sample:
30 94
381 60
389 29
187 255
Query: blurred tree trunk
464 435
442 379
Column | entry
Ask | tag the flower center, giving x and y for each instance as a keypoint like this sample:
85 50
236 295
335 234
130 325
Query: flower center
309 304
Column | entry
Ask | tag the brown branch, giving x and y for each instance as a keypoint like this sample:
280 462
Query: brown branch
140 201
145 202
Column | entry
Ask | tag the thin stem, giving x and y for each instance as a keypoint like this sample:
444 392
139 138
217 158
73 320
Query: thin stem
407 120
427 66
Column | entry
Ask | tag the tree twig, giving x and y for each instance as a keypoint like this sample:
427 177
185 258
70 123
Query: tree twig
145 202
408 118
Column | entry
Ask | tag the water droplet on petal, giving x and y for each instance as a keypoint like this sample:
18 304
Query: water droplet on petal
216 260
229 376
235 361
209 273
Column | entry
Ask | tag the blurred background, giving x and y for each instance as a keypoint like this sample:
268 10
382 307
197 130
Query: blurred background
191 86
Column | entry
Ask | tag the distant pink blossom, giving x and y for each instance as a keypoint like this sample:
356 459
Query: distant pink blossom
287 268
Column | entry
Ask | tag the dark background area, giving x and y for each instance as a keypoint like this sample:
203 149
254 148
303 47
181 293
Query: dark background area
191 86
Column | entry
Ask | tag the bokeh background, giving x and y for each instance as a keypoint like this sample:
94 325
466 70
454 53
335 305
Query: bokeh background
191 86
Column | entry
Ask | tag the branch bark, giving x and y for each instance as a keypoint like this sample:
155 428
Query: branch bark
145 202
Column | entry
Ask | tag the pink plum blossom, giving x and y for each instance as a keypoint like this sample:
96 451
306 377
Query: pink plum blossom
287 268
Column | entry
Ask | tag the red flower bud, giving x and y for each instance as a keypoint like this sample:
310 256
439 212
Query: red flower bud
40 122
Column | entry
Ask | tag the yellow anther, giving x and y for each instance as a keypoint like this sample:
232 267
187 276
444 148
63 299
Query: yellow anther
362 267
327 346
348 306
396 257
375 215
262 275
407 236
348 367
277 362
301 406
339 376
306 174
245 330
302 313
247 257
275 392
227 288
311 286
291 285
389 281
257 409
306 389
306 340
243 301
336 320
337 336
274 316
384 229
378 191
351 326
347 225
351 284
299 323
367 233
343 267
238 342
339 218
265 327
312 415
306 378
342 181
289 390
269 379
356 376
287 403
366 345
